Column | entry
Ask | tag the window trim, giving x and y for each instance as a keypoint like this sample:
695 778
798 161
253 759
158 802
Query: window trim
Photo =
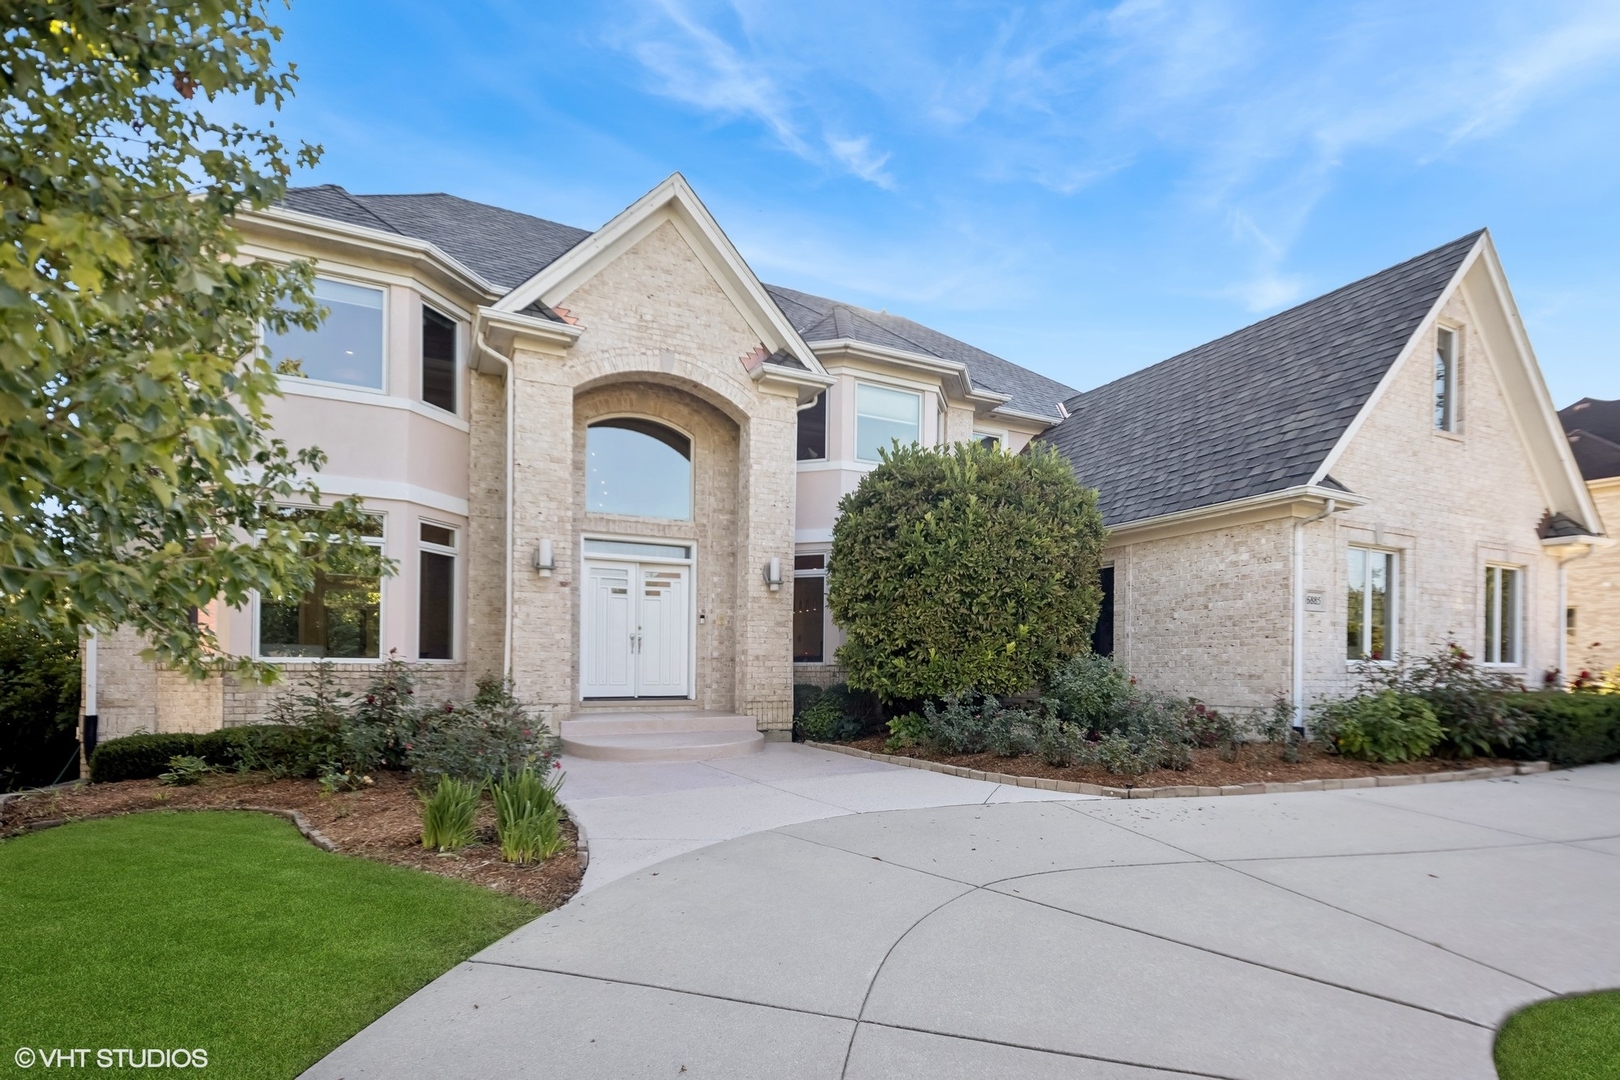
287 382
1396 609
691 461
1521 579
1453 424
458 362
826 613
454 552
380 542
826 426
918 394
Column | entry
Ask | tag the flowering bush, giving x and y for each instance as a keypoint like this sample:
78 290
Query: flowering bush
489 736
1473 705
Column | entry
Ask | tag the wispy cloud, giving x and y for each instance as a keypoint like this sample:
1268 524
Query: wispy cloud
859 158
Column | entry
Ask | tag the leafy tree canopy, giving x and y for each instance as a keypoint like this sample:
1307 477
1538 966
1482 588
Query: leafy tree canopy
964 567
138 475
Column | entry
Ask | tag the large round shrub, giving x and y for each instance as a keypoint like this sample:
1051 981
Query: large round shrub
964 568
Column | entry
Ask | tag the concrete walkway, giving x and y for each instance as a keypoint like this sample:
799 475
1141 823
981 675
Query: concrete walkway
1375 933
635 814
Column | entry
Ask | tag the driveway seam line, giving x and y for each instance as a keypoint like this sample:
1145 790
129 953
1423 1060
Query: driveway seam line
1463 821
1044 1050
1336 907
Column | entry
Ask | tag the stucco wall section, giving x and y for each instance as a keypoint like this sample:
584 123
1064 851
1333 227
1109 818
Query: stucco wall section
1594 592
1449 504
1206 614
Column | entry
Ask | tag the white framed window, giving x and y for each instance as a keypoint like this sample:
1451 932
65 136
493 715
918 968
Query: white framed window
1445 379
440 370
339 618
1504 615
809 609
346 349
883 416
813 429
436 592
638 467
1372 589
987 439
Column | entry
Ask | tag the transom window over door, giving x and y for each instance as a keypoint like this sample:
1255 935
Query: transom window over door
347 348
1504 606
1370 602
638 467
883 416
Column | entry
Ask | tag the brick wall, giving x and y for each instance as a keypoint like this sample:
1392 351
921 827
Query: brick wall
1594 592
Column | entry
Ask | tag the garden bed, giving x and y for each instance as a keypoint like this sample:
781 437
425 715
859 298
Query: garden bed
1255 763
381 822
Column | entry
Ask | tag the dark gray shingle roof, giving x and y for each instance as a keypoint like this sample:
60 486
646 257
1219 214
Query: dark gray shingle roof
817 318
503 247
1593 427
1256 411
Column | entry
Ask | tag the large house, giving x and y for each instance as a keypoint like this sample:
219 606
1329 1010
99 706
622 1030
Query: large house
608 464
1593 611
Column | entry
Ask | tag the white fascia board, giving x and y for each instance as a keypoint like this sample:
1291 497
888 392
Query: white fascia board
1306 493
1390 373
902 358
1541 433
672 200
376 240
519 325
1019 414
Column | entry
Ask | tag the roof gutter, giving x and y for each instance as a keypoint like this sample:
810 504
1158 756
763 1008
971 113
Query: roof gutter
1275 500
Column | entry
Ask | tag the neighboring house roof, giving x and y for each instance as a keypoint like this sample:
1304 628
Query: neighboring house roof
507 248
1593 428
817 318
1257 411
503 247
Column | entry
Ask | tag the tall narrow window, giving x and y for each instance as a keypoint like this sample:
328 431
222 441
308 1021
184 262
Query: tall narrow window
809 609
339 618
438 359
1102 636
1504 602
813 429
883 416
436 594
348 345
1445 379
1370 626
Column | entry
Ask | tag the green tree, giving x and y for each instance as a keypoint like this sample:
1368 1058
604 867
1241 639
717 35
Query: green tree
39 704
964 567
138 476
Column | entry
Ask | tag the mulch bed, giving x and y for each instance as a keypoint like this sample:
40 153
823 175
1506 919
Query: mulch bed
381 822
1255 763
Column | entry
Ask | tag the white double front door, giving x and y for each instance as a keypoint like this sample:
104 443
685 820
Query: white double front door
635 630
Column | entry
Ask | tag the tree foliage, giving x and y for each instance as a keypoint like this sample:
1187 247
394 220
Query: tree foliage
138 476
964 567
39 704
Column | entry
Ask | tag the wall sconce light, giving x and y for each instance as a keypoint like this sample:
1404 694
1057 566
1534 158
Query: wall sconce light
543 559
773 573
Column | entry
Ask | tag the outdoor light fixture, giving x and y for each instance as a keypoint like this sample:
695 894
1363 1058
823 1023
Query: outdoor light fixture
773 573
543 560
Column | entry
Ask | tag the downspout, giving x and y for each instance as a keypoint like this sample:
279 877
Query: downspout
1299 609
90 732
511 482
1563 613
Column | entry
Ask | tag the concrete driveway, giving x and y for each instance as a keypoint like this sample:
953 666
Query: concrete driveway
1376 933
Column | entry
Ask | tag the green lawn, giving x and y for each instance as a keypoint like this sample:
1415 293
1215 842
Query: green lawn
1574 1038
226 931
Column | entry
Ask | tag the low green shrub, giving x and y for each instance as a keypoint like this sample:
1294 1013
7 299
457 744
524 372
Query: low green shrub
1382 726
489 736
1473 704
1089 690
528 819
146 756
806 695
1570 728
449 814
825 721
184 771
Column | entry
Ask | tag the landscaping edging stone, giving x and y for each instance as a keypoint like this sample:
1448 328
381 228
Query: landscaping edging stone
1191 791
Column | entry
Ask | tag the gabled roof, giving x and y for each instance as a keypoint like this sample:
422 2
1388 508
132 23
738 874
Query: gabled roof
504 247
1593 427
820 319
509 249
1257 411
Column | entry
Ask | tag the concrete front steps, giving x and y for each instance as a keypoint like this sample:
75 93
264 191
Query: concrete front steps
665 734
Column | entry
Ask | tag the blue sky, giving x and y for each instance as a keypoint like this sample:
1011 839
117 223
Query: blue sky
1083 188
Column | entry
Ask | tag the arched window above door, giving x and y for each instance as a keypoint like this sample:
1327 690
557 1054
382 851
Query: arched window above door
639 467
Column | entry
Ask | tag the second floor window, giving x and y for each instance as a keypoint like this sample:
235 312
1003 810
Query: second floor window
883 416
438 359
813 429
347 347
638 467
1445 379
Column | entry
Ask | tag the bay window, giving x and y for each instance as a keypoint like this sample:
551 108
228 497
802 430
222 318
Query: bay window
436 593
339 618
884 416
347 347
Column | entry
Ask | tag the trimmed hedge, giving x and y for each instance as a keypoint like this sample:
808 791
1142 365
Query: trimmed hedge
1571 728
143 757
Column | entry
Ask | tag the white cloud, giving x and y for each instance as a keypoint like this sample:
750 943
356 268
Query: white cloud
859 158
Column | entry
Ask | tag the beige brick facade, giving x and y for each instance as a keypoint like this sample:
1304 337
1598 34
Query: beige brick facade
1594 593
